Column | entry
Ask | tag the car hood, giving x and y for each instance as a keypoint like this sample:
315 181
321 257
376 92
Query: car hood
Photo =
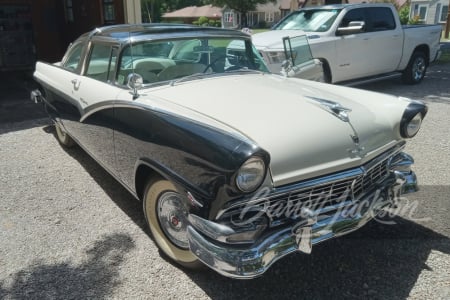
284 116
273 39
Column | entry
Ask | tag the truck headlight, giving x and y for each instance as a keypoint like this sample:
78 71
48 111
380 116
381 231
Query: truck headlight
251 174
276 57
412 119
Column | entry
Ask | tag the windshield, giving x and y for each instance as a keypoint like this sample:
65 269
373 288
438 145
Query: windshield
168 60
310 20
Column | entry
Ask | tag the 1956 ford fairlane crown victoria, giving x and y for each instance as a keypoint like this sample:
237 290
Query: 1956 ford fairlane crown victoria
236 167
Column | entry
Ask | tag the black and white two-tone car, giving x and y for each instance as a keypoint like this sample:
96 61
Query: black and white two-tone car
236 167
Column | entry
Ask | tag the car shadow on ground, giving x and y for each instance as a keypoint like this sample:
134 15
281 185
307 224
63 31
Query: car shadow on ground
378 261
95 278
434 87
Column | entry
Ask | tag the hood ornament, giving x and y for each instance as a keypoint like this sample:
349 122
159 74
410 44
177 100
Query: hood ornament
341 112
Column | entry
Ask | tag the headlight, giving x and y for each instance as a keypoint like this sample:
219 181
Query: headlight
412 128
412 119
276 57
251 174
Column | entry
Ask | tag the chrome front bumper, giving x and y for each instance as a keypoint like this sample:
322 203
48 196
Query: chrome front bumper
249 261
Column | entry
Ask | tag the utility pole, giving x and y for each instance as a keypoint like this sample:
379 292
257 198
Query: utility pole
447 25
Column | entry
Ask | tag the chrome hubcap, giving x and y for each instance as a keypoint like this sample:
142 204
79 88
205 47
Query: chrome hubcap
172 216
419 68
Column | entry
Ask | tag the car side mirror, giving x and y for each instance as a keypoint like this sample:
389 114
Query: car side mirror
135 82
352 28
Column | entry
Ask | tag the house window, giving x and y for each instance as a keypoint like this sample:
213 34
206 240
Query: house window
69 11
269 17
422 12
109 14
444 14
228 17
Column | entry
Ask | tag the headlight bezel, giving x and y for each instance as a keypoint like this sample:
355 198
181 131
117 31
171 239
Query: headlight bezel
414 112
251 163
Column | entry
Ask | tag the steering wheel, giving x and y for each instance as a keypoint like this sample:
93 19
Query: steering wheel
212 63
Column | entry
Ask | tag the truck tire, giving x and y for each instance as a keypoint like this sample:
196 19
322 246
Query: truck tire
416 69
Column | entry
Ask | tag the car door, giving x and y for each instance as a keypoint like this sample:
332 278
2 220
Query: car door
96 92
300 60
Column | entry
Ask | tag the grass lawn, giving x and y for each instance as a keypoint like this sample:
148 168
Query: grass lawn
445 57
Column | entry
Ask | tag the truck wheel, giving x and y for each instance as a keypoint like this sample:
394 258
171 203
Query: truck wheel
416 69
166 214
63 138
326 71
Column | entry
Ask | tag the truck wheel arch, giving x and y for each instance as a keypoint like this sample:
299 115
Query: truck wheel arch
326 70
417 66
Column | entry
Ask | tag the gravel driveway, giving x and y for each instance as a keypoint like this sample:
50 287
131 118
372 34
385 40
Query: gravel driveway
68 230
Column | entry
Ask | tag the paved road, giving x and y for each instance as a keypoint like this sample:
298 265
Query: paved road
68 230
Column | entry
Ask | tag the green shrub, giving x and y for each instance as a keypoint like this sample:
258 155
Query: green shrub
202 20
414 21
404 15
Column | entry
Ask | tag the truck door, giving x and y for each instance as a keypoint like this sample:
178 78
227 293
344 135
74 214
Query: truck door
385 38
352 57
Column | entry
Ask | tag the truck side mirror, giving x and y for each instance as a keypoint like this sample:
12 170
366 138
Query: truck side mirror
352 28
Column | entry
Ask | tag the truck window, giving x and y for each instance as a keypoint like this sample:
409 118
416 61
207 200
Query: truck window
353 15
380 18
311 20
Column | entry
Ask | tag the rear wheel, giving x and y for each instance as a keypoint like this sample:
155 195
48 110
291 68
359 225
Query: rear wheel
166 214
416 69
63 138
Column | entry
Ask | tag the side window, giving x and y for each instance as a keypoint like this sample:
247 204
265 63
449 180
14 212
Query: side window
112 64
73 57
185 50
99 62
298 50
353 15
381 18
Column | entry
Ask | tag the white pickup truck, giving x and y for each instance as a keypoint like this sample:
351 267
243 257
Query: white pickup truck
355 42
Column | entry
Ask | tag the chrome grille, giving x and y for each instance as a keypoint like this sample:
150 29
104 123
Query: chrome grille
314 194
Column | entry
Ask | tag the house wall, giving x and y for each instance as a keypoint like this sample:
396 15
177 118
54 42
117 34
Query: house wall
42 29
433 10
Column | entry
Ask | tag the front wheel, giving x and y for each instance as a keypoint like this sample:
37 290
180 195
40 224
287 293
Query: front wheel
166 214
416 69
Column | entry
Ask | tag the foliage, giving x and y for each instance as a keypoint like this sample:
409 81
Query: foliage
404 15
414 20
204 21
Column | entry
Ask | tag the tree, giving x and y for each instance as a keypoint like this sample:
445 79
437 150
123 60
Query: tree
242 6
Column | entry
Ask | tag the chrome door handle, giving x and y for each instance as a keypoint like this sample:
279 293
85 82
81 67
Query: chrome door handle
76 83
